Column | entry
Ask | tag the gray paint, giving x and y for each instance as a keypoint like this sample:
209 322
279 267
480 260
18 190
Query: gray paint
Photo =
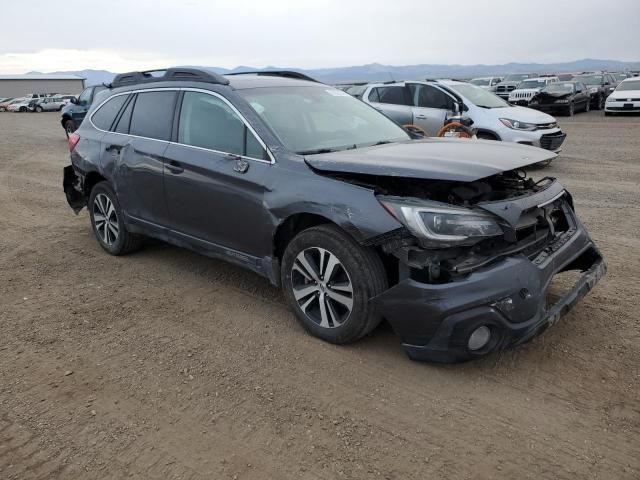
23 85
433 158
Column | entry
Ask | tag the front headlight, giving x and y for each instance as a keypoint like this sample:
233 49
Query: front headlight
517 125
438 225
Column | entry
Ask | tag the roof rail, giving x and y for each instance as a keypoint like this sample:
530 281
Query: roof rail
279 73
174 73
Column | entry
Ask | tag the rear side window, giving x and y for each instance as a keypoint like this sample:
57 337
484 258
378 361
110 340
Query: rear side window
430 97
391 95
152 115
208 122
106 114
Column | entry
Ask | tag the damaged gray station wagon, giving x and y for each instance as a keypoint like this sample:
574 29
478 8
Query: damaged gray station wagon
354 217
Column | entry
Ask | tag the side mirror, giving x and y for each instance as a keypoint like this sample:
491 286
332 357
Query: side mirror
74 100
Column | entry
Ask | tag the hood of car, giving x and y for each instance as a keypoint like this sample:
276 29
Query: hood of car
624 94
523 114
527 91
544 94
432 158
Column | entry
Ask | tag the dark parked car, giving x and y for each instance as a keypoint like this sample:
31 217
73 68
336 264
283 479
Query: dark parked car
74 112
565 97
600 85
356 220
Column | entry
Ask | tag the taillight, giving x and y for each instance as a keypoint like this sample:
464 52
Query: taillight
74 138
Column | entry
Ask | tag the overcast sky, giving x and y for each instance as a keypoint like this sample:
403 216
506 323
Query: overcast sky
120 35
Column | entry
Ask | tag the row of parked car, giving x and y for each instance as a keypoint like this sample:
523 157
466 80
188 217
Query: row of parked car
560 93
36 103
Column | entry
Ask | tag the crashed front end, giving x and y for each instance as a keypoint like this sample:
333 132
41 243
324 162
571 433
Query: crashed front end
476 261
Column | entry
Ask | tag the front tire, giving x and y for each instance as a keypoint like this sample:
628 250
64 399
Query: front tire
599 103
328 280
587 106
571 110
107 221
39 109
69 127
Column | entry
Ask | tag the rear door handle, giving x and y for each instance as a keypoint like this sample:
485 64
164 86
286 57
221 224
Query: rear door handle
421 116
174 167
113 148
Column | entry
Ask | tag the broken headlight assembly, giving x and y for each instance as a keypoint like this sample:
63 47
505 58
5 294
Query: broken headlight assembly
438 226
517 125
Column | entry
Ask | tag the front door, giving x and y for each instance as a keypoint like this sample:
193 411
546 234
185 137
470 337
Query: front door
215 177
431 106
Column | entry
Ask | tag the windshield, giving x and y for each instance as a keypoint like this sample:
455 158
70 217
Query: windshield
481 82
311 120
478 96
633 85
559 88
590 79
620 76
532 84
516 77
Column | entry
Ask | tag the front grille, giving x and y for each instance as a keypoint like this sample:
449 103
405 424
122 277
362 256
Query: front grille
627 99
547 126
552 141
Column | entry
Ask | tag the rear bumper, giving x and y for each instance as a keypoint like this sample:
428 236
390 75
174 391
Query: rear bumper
434 321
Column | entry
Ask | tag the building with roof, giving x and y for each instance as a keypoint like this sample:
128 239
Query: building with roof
20 85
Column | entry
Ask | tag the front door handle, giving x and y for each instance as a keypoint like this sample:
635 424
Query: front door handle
113 148
174 167
421 116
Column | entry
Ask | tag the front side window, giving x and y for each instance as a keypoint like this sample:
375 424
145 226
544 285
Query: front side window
106 114
152 115
207 121
85 96
430 97
311 120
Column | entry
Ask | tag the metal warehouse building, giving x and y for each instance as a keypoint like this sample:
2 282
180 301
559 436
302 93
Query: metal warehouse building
20 85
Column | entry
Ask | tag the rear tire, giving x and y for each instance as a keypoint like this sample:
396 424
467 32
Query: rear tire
336 308
107 221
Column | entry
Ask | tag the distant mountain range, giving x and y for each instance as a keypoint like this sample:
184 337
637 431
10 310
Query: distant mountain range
378 72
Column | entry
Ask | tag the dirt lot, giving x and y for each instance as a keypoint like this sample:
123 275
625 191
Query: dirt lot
165 364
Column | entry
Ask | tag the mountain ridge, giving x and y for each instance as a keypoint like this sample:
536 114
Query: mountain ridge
382 72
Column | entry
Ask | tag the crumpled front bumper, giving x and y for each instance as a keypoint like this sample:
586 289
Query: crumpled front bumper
435 321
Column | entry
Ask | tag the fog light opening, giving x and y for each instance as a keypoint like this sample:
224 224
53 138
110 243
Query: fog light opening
479 338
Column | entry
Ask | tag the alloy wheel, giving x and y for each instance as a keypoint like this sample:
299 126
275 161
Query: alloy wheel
322 287
105 219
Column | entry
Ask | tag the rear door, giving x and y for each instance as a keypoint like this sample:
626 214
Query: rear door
431 106
139 129
393 101
216 175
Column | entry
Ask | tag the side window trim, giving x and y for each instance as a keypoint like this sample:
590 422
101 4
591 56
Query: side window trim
271 159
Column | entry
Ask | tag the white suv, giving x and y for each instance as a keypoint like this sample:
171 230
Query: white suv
527 89
427 104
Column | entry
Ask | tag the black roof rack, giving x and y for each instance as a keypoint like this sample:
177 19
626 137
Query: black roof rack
175 73
279 73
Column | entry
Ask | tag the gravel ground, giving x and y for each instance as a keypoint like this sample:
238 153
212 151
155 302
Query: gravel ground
165 364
